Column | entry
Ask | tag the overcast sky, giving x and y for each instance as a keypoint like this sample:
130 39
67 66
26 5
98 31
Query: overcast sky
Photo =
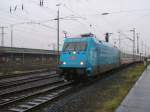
124 16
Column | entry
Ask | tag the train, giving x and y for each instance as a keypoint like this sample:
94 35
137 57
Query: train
85 56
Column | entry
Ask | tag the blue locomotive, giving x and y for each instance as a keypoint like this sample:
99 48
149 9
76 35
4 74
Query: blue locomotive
85 56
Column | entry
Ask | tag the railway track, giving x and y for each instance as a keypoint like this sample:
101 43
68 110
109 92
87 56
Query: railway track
24 73
9 82
35 99
44 87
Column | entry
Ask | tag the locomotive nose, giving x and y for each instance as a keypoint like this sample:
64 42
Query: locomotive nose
73 59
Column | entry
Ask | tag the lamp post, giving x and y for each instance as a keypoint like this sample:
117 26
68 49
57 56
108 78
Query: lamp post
2 34
133 30
137 43
11 26
58 13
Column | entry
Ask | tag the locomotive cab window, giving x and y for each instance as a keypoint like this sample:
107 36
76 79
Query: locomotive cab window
75 46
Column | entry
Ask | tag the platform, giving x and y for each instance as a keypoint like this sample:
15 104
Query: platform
138 99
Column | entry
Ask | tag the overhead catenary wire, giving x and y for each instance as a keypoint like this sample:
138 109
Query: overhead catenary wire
78 16
86 23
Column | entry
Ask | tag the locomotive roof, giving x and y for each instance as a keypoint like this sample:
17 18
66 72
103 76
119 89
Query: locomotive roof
76 39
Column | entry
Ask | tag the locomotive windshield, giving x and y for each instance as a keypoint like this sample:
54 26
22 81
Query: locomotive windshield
75 46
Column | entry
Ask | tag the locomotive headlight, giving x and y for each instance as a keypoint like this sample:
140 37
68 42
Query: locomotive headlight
81 63
64 63
74 52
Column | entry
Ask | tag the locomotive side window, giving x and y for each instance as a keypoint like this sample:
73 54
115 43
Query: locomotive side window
75 46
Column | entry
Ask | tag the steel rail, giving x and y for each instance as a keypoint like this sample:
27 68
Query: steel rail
43 96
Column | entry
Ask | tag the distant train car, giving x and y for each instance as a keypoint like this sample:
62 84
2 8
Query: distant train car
85 56
126 58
